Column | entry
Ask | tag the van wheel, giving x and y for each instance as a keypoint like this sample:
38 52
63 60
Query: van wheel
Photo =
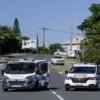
67 88
96 87
5 90
45 87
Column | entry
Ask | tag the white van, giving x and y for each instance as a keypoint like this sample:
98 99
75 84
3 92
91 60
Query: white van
26 74
71 54
83 76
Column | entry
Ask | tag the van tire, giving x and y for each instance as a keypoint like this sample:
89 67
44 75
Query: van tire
5 90
96 87
67 88
45 87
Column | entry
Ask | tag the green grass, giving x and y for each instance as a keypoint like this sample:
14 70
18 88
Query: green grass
72 60
59 68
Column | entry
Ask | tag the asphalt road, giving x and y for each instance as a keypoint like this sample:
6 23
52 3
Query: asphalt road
56 90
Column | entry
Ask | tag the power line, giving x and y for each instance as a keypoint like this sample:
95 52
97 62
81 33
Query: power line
55 30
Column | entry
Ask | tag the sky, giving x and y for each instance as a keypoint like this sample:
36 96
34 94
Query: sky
33 15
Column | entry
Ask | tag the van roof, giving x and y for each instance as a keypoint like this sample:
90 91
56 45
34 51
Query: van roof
36 61
84 65
26 60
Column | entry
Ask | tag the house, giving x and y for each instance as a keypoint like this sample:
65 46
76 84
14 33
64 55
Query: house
27 44
75 44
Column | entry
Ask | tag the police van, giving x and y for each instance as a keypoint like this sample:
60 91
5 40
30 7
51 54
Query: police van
83 76
26 74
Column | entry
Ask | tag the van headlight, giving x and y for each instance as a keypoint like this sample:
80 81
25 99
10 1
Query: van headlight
5 77
93 78
68 78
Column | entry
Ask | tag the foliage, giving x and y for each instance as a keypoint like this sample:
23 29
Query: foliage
9 42
91 26
53 48
16 28
43 50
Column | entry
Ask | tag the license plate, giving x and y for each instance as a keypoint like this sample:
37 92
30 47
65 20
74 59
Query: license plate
79 84
16 85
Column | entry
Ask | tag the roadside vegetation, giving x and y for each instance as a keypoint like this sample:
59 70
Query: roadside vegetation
51 49
11 38
91 29
72 60
59 68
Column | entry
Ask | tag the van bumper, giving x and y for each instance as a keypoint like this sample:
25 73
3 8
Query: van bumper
26 85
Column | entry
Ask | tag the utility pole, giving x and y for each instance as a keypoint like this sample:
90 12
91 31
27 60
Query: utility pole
44 37
71 33
37 43
83 46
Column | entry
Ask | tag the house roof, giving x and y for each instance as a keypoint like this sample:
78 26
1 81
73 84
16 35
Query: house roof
74 41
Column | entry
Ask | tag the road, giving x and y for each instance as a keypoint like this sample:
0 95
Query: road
56 90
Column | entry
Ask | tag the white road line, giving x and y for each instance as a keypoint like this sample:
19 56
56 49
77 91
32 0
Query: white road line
46 58
60 72
54 92
35 56
58 96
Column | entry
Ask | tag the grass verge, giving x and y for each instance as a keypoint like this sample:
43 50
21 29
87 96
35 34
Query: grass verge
59 68
72 60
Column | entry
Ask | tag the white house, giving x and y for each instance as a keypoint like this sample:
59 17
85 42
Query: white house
75 44
27 44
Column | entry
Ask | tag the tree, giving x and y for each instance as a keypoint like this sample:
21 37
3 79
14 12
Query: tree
91 26
53 48
16 28
9 42
43 50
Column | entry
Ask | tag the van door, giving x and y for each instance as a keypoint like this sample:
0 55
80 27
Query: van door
98 75
44 73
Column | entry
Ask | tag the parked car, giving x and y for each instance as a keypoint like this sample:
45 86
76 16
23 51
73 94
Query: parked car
71 54
61 53
57 59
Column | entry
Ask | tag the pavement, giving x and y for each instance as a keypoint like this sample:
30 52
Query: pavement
56 90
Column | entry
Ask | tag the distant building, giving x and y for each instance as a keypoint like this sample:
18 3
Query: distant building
28 44
46 44
75 44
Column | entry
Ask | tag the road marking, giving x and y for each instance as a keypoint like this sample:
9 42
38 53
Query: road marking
46 58
58 96
60 72
54 92
35 56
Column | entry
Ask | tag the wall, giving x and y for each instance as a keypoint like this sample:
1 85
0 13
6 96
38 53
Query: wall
29 44
74 47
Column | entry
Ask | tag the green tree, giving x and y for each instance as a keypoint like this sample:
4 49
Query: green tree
16 28
91 26
43 50
53 48
9 42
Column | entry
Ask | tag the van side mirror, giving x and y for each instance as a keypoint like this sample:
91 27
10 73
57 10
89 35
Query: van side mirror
2 72
66 72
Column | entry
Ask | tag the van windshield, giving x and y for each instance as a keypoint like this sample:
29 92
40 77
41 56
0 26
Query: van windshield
85 70
58 57
20 68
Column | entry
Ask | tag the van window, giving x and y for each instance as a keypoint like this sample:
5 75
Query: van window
83 69
98 70
44 67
